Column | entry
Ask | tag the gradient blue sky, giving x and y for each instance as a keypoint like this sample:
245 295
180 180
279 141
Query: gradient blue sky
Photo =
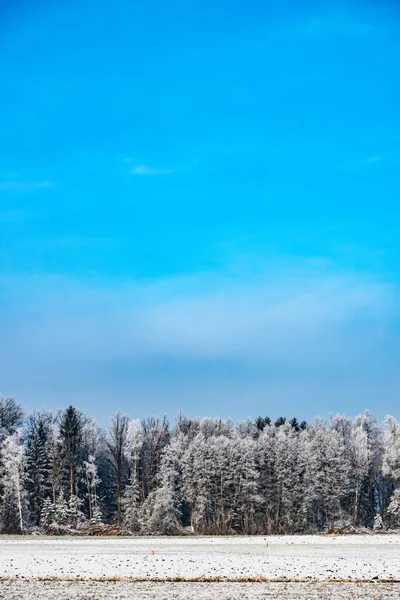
199 206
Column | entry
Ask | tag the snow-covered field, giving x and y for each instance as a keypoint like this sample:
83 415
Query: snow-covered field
297 559
290 557
94 590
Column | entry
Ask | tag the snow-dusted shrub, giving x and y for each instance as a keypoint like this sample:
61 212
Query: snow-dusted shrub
393 510
378 522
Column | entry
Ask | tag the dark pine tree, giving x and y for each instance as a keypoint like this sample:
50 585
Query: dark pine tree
71 444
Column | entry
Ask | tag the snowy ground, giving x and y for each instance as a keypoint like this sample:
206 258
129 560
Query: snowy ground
198 591
291 557
298 559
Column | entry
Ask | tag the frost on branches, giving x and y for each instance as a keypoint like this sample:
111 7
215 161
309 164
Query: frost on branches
14 497
393 510
131 510
62 473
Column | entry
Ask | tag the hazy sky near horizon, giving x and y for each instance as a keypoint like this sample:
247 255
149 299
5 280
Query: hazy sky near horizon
199 206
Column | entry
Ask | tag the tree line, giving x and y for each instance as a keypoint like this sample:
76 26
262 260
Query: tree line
62 473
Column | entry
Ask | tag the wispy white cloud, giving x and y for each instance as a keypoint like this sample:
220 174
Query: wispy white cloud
19 186
292 334
146 170
291 318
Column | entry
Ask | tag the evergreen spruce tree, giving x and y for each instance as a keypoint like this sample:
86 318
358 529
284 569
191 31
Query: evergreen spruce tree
70 433
38 462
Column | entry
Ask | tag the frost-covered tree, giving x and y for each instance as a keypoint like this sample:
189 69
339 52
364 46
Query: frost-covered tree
54 449
131 510
155 439
74 511
130 501
391 465
47 513
366 467
359 455
92 481
93 446
378 522
166 503
116 441
261 422
393 510
196 482
14 497
254 477
357 452
11 417
327 474
246 499
55 514
133 444
208 475
282 463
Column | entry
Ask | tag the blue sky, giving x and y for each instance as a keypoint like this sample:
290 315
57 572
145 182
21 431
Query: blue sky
199 206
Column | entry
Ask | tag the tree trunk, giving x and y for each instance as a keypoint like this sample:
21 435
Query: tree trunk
356 500
119 477
71 480
19 503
